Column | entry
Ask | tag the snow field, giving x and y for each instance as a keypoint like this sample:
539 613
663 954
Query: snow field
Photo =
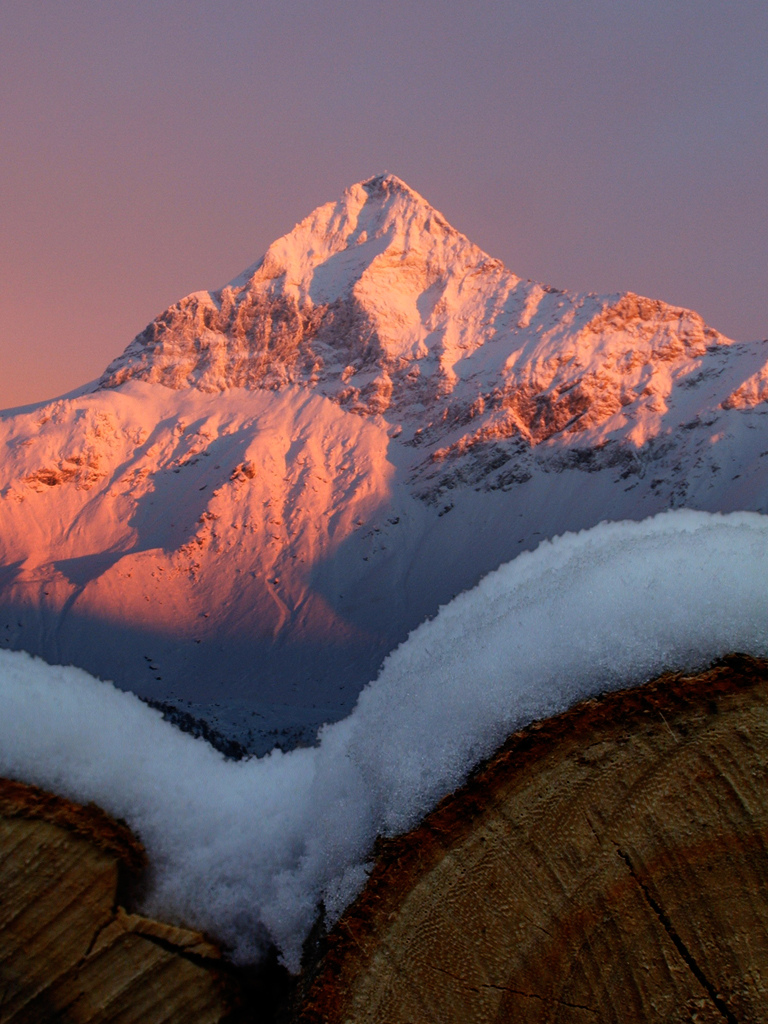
248 850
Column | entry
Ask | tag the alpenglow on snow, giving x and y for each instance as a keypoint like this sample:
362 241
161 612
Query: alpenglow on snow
277 481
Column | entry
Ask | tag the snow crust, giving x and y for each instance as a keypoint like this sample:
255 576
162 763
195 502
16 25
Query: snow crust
248 850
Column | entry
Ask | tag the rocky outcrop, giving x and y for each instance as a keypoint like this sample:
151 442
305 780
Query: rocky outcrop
607 865
70 952
752 392
376 302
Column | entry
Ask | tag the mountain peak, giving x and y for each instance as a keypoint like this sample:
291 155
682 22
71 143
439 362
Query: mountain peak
366 279
383 307
374 222
386 184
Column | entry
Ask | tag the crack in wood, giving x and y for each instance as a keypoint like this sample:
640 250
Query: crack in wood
511 991
95 939
593 830
543 999
455 977
720 1005
198 959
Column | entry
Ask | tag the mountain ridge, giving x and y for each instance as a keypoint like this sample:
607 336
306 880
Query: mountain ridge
382 306
277 481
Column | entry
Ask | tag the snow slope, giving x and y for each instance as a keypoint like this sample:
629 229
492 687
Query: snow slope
277 481
247 850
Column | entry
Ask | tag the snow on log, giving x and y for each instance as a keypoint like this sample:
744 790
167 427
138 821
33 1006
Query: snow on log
607 865
249 851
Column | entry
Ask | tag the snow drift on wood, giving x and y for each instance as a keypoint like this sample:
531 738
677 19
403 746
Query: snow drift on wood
249 850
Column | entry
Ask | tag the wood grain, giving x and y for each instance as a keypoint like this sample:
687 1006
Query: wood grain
607 865
69 951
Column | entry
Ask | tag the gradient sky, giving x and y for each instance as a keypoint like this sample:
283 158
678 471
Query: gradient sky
150 148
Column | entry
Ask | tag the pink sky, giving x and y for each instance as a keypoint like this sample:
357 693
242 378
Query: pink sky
153 149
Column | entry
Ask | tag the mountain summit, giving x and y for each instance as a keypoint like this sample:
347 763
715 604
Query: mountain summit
277 481
366 285
380 305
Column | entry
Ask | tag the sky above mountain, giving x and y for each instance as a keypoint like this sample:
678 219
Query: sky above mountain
153 150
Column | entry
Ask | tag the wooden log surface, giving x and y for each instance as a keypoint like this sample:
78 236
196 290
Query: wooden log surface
69 951
607 865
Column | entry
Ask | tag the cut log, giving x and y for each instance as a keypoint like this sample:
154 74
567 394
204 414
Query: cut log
69 951
608 865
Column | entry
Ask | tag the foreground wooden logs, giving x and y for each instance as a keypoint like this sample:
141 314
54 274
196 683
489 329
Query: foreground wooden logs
69 952
609 865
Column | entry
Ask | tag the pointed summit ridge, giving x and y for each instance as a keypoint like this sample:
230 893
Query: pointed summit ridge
378 304
387 188
374 277
326 254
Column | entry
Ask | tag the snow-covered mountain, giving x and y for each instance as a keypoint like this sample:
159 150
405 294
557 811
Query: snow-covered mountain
277 481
